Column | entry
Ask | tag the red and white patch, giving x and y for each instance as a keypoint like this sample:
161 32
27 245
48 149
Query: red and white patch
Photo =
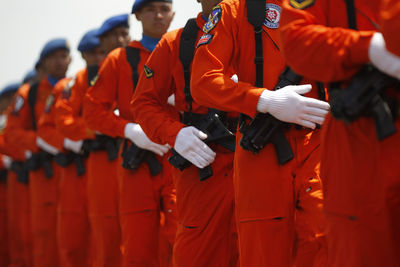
205 39
272 16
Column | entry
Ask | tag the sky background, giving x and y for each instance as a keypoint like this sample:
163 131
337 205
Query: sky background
26 25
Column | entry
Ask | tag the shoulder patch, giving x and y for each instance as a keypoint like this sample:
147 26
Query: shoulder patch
205 39
19 103
94 80
301 4
148 72
272 16
49 103
213 19
66 92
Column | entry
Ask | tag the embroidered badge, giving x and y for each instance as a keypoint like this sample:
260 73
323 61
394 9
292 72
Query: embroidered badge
19 103
148 72
301 4
213 19
94 80
272 16
49 103
205 39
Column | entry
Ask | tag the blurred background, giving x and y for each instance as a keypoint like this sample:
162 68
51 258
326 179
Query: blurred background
26 25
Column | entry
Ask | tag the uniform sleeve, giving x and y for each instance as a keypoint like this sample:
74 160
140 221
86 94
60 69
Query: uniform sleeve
390 17
19 131
211 83
46 124
100 98
67 113
319 52
150 98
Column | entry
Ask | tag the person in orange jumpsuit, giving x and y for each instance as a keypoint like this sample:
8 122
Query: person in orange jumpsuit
390 24
322 41
206 233
6 96
73 232
278 206
102 188
20 130
139 192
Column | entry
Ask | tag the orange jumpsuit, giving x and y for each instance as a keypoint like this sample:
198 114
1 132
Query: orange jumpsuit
73 234
354 164
43 191
18 212
139 192
278 207
206 229
390 24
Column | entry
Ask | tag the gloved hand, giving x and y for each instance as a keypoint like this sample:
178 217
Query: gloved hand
74 146
28 154
45 146
189 144
381 58
134 132
7 161
288 105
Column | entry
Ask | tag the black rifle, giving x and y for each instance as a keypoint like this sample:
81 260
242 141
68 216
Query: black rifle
66 159
133 156
265 128
365 96
103 142
216 131
21 169
43 160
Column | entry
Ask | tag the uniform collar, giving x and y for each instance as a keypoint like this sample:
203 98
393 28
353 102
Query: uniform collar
52 80
149 42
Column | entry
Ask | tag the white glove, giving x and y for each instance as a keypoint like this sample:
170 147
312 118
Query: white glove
288 105
45 146
189 144
171 100
381 58
28 154
7 161
74 146
134 132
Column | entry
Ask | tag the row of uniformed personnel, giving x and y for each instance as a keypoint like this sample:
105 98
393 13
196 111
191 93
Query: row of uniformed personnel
90 180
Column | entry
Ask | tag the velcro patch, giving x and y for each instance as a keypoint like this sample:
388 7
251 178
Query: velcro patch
301 4
49 103
148 72
213 19
205 39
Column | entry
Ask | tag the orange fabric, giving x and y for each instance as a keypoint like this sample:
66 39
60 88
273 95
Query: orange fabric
390 24
353 168
68 109
102 193
205 235
139 193
73 231
4 251
19 222
265 192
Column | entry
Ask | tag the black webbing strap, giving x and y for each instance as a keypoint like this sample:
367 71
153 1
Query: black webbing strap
256 17
186 54
32 96
351 14
133 57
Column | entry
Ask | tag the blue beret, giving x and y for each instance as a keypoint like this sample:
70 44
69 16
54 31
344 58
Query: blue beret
89 41
113 22
11 88
52 46
140 3
30 75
